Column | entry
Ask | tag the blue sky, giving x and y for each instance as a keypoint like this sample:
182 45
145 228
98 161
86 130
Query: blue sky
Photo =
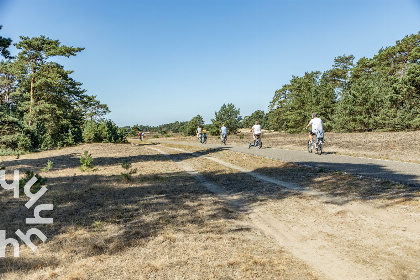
161 61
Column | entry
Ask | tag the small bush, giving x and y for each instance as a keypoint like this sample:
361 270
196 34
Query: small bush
46 142
126 177
126 165
48 166
89 132
70 139
8 152
35 187
86 161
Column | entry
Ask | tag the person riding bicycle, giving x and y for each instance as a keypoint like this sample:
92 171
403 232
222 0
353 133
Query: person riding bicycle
317 128
223 133
256 131
199 132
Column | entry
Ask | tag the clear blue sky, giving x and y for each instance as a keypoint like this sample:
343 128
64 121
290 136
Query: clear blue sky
161 61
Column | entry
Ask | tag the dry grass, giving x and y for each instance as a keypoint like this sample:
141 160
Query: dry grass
160 224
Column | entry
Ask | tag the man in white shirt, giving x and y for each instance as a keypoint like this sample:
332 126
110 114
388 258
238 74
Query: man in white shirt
256 129
199 131
317 127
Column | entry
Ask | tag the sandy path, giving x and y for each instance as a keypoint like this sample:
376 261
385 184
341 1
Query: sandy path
403 172
339 239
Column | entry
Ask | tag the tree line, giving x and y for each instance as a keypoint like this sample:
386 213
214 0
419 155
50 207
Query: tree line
228 115
373 94
41 106
381 93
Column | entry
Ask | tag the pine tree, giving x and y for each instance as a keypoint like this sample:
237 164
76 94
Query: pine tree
228 115
46 82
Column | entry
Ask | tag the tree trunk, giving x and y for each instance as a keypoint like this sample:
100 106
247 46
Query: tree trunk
32 101
6 96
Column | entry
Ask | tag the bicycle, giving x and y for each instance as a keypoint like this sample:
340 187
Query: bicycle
256 143
204 139
317 145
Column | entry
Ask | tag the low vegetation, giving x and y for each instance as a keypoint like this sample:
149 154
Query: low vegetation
127 175
48 166
86 161
162 225
29 174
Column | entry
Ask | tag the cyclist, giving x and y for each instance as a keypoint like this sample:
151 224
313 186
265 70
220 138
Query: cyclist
256 131
223 133
317 128
199 132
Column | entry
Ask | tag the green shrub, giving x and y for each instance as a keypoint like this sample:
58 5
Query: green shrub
48 166
115 134
86 161
89 132
104 131
36 186
70 139
47 142
18 142
126 165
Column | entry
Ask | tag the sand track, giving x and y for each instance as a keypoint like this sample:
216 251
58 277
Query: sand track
337 238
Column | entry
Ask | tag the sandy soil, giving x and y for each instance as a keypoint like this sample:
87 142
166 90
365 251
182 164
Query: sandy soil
194 213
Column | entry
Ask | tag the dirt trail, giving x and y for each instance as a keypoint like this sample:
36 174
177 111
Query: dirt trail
397 171
337 238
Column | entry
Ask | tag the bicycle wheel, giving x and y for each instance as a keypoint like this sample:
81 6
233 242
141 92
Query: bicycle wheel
260 144
310 147
249 145
319 150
